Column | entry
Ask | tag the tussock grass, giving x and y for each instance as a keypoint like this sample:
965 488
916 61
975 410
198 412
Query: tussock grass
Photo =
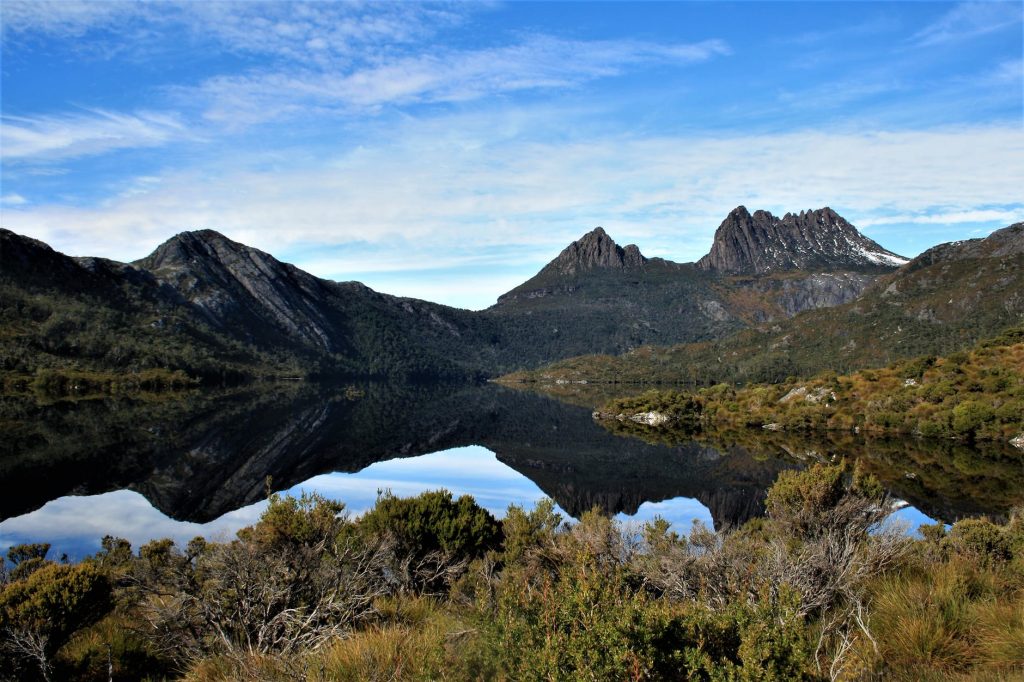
956 619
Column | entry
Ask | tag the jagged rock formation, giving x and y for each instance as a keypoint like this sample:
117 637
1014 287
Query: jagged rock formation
819 240
596 250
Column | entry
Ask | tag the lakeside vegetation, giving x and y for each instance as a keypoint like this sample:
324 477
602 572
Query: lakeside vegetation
971 395
435 588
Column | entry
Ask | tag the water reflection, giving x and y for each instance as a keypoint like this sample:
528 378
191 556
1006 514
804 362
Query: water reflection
75 524
203 462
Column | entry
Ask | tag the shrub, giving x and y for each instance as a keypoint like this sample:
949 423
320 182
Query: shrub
969 415
39 613
434 522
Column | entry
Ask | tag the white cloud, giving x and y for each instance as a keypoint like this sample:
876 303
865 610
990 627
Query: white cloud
435 75
449 187
13 199
1010 72
951 218
970 20
67 18
287 30
90 132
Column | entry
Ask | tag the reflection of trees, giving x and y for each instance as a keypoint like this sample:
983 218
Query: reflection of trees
945 479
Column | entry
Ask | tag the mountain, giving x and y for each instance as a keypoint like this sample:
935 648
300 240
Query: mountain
595 250
942 301
202 303
596 294
819 241
612 299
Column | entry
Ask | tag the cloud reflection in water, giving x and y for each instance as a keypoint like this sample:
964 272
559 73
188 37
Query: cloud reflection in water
75 525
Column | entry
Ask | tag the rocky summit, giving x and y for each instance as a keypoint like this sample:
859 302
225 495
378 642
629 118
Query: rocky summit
596 250
819 240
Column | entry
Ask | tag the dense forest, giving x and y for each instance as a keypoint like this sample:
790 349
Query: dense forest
435 588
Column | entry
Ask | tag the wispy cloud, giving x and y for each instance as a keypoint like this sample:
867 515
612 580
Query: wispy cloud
1010 72
13 199
940 217
299 31
970 20
86 133
68 18
437 75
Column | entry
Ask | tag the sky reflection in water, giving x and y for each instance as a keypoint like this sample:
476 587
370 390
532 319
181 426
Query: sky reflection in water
75 525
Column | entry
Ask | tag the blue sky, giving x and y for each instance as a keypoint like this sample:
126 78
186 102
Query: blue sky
448 151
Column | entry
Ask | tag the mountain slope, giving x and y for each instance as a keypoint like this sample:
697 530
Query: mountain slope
93 314
946 299
599 295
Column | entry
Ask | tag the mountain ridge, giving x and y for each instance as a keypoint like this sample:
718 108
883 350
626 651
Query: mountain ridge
206 291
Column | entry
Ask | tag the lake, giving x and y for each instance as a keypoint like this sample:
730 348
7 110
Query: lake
72 472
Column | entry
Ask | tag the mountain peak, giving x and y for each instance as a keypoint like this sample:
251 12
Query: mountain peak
819 239
184 246
596 249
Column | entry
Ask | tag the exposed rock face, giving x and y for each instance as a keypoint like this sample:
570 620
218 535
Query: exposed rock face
236 284
788 295
650 418
596 250
821 240
822 290
813 397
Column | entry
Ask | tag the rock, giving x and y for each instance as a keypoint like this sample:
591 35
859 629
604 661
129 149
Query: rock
650 418
714 310
816 396
772 427
1018 441
811 240
821 290
597 250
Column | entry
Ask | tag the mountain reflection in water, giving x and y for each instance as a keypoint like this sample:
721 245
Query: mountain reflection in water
206 459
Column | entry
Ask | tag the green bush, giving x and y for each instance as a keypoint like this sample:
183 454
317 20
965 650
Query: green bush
981 539
39 613
434 522
968 417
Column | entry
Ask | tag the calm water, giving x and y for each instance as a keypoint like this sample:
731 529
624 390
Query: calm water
72 473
